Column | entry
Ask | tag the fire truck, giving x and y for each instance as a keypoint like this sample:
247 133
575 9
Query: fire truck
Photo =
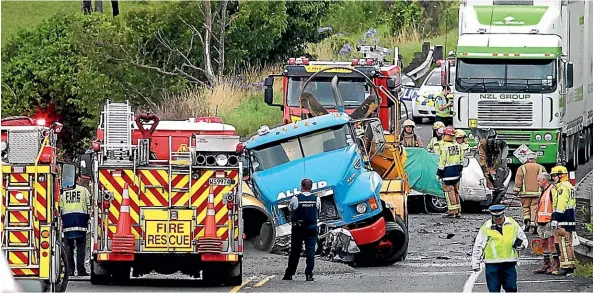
32 180
353 86
166 197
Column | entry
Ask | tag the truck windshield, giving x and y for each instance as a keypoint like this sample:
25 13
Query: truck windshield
435 78
280 152
354 91
506 76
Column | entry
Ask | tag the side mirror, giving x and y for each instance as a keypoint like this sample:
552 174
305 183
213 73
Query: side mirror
68 177
269 91
410 84
444 73
569 75
86 166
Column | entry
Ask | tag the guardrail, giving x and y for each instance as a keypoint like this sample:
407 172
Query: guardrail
423 61
584 194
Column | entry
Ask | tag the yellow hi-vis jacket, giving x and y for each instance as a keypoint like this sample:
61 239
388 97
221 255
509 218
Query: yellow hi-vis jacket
439 101
493 247
434 145
565 205
75 205
450 162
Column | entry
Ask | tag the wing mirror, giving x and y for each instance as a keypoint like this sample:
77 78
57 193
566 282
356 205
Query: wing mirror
68 177
86 166
569 75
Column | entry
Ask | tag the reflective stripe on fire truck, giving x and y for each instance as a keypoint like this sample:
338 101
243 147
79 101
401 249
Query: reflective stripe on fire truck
153 192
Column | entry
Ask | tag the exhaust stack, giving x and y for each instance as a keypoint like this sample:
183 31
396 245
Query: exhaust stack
337 95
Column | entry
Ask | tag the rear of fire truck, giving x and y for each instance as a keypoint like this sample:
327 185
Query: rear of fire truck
167 199
31 228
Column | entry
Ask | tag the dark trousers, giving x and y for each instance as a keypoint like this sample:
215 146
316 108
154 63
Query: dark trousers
448 121
298 235
501 274
80 254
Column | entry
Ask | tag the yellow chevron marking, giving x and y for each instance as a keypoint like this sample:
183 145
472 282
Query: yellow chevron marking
153 193
236 233
14 240
183 182
35 259
42 193
14 218
117 197
201 181
13 259
217 199
13 201
3 207
219 232
133 196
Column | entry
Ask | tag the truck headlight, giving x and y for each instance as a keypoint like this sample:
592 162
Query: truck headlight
361 208
548 136
538 137
221 160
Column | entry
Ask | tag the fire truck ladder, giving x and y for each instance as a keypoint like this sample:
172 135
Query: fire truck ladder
18 224
118 127
182 161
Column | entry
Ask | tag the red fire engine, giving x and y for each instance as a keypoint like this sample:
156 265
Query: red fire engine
352 86
32 180
167 197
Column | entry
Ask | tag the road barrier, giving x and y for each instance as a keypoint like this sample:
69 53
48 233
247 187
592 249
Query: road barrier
584 195
423 62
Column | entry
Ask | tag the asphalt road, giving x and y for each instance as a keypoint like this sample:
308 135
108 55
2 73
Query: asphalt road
434 264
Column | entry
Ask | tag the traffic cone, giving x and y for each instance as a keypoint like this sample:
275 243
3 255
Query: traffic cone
123 240
210 242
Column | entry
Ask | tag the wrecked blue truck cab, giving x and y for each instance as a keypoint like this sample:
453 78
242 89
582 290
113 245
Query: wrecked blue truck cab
324 149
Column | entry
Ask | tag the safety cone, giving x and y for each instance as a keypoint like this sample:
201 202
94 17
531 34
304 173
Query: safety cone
123 240
210 242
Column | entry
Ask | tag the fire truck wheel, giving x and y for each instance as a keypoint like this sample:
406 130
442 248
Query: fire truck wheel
235 274
121 274
98 279
62 282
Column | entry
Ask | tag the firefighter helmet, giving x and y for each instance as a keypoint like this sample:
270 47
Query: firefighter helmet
559 170
438 125
409 122
449 131
459 133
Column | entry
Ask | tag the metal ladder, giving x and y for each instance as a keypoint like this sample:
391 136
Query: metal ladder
118 126
15 208
182 160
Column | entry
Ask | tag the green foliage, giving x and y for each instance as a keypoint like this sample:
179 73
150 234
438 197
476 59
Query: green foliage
42 70
251 114
584 270
352 16
406 16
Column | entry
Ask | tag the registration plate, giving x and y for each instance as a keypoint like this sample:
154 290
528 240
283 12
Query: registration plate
221 181
509 160
168 234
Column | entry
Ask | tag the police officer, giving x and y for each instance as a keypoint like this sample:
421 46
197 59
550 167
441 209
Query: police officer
498 242
304 208
449 172
443 104
75 206
564 220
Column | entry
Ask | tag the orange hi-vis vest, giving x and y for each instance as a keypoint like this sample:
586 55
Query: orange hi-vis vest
545 206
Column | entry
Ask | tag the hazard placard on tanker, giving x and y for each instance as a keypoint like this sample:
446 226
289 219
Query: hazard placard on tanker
168 234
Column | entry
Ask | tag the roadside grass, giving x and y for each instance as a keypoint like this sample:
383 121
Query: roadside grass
584 270
18 15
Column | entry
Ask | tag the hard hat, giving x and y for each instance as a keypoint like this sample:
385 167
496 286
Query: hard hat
441 131
559 170
438 125
460 133
449 131
409 122
532 156
497 209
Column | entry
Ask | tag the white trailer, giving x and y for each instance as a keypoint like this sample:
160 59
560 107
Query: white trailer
525 69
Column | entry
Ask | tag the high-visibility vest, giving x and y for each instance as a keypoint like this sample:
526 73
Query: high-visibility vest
435 145
545 207
441 100
499 248
75 206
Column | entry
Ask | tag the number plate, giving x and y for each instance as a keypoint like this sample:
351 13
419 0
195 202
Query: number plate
221 181
509 160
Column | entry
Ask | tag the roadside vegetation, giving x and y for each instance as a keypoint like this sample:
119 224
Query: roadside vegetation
181 59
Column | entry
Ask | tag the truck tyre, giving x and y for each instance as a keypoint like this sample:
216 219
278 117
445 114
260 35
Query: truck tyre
62 282
435 204
98 279
397 234
121 274
235 274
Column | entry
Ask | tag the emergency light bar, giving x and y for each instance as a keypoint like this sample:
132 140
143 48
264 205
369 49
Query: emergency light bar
298 61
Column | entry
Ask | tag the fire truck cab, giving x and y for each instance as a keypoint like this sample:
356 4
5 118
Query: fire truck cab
166 197
353 86
32 181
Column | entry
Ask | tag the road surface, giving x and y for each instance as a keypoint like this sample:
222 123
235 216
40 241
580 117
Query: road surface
434 263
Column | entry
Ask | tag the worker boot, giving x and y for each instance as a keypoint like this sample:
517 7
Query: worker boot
563 272
287 277
554 265
310 278
527 225
543 269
